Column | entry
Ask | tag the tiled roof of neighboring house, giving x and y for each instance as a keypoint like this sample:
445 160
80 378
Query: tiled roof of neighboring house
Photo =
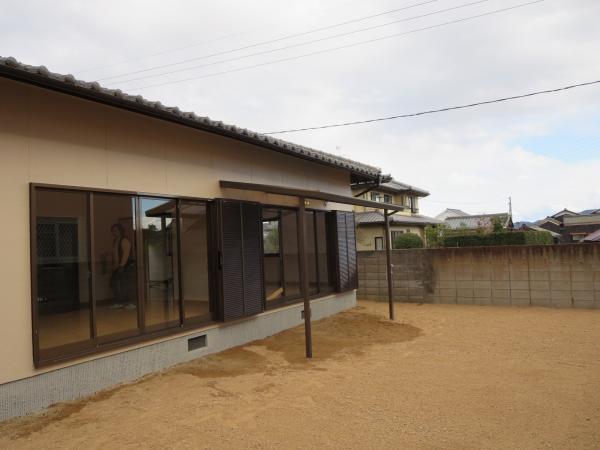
375 217
593 237
590 211
476 221
397 186
522 223
536 228
547 219
449 212
42 77
564 212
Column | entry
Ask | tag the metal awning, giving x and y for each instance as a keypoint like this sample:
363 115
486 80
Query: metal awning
302 195
315 195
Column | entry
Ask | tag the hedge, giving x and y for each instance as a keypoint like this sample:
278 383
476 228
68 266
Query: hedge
407 240
501 238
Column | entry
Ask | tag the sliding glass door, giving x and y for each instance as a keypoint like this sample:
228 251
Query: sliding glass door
63 295
159 245
108 267
115 265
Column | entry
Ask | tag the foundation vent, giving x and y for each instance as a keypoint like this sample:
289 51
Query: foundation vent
196 342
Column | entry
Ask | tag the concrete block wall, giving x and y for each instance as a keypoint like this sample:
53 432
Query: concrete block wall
544 275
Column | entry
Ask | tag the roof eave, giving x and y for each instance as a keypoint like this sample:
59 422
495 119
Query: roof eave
98 96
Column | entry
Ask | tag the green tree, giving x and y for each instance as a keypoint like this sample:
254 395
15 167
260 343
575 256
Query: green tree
434 235
407 240
271 241
497 225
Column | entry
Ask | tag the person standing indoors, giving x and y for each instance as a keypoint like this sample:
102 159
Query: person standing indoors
123 266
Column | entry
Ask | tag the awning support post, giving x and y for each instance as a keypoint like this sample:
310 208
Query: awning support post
304 276
388 254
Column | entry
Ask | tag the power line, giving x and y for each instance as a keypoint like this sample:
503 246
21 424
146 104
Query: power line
176 49
318 52
163 52
271 41
300 44
434 111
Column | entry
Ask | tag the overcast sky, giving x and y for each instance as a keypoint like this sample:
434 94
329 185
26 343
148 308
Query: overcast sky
542 151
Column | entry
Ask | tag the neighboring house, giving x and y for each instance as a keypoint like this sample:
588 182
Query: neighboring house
479 221
585 212
531 227
576 228
137 232
522 223
593 237
370 234
572 226
448 212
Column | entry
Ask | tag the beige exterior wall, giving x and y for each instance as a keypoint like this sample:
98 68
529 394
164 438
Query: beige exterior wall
365 235
397 199
47 137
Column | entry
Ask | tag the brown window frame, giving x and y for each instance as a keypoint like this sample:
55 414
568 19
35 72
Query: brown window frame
95 344
298 298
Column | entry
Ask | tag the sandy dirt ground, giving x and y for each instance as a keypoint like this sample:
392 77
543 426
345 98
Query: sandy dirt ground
441 376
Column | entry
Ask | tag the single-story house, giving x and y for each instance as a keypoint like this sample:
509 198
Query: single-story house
141 236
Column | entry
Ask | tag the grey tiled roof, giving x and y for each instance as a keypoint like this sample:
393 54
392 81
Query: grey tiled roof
397 186
478 221
593 237
41 76
375 217
449 212
536 228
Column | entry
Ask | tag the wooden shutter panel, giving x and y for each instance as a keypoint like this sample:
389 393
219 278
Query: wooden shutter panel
253 259
345 258
240 259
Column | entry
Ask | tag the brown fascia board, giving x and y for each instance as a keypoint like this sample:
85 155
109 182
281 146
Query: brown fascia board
315 195
40 76
411 190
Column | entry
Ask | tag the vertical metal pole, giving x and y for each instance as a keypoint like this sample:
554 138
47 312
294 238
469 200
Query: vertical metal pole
304 276
388 254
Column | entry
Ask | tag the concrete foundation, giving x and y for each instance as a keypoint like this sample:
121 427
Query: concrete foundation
37 392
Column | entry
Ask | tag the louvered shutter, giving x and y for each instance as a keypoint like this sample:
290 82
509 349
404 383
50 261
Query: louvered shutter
253 259
345 255
240 259
232 261
351 243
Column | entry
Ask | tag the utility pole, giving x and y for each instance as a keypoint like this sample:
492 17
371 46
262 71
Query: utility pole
510 206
